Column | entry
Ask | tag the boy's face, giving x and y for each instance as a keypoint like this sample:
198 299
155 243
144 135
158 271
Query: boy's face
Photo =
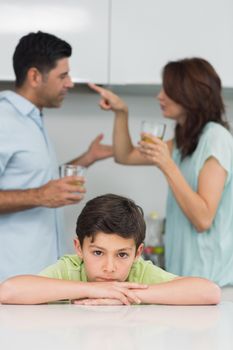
108 258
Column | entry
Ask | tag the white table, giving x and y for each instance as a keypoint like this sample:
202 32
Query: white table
116 327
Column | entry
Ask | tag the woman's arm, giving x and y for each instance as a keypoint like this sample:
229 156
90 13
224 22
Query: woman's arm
29 289
124 151
200 207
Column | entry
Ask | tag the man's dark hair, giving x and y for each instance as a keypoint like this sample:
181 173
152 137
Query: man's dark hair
111 214
39 50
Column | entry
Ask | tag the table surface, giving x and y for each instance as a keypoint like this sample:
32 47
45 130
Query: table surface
61 326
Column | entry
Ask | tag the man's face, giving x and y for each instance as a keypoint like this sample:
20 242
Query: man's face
108 258
54 85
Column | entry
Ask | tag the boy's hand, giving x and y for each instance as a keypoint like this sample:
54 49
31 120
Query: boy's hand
122 291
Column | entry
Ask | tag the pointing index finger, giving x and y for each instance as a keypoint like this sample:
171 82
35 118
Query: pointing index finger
96 88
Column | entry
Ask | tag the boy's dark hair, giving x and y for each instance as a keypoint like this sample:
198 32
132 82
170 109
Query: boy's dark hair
111 213
39 50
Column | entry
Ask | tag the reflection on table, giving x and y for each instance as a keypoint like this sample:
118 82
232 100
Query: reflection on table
116 327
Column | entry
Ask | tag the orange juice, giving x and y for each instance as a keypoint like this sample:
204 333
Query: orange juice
148 139
77 183
153 128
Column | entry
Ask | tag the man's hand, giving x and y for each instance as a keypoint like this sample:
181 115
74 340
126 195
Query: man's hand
61 192
98 151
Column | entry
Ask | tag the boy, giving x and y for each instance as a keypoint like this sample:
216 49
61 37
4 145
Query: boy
108 269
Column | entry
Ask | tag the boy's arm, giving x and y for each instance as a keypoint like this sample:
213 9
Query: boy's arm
179 291
182 291
28 289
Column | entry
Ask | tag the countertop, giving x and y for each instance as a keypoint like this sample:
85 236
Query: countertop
60 326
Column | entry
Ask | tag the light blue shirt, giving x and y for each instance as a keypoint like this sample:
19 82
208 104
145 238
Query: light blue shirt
28 239
208 254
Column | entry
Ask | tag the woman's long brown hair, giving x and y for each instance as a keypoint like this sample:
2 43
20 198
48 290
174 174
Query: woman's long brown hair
194 84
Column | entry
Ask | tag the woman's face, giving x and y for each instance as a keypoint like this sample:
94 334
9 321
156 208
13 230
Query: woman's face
170 108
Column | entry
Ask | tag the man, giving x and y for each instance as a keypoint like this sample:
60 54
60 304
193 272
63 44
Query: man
30 188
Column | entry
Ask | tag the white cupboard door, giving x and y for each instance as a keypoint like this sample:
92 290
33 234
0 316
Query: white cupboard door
83 23
145 34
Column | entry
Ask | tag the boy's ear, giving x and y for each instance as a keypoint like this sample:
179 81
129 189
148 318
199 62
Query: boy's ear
139 251
78 248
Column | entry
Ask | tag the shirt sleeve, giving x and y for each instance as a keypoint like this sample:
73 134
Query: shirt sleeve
56 270
147 273
154 275
218 143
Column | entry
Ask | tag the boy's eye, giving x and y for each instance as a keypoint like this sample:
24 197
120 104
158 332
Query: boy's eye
97 252
123 255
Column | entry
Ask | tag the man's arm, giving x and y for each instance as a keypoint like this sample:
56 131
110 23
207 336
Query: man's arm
29 289
54 194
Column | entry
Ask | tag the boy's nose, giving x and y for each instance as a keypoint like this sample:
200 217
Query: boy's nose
109 265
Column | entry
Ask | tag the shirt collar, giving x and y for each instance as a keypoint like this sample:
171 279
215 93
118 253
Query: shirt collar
23 106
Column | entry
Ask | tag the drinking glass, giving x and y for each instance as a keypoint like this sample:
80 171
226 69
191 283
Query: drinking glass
154 128
73 170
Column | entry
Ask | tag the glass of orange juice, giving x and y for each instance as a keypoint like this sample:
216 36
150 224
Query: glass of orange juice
73 170
153 128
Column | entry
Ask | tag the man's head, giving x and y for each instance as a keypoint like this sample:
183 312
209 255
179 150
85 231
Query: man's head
110 231
41 68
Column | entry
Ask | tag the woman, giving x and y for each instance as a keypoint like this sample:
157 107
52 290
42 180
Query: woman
197 164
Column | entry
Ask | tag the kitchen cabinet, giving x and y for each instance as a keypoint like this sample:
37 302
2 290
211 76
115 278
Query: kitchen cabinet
124 41
83 23
145 34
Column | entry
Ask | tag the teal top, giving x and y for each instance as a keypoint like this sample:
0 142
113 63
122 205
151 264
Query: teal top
71 268
208 254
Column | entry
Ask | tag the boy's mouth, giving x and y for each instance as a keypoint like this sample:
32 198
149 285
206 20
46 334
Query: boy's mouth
103 279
